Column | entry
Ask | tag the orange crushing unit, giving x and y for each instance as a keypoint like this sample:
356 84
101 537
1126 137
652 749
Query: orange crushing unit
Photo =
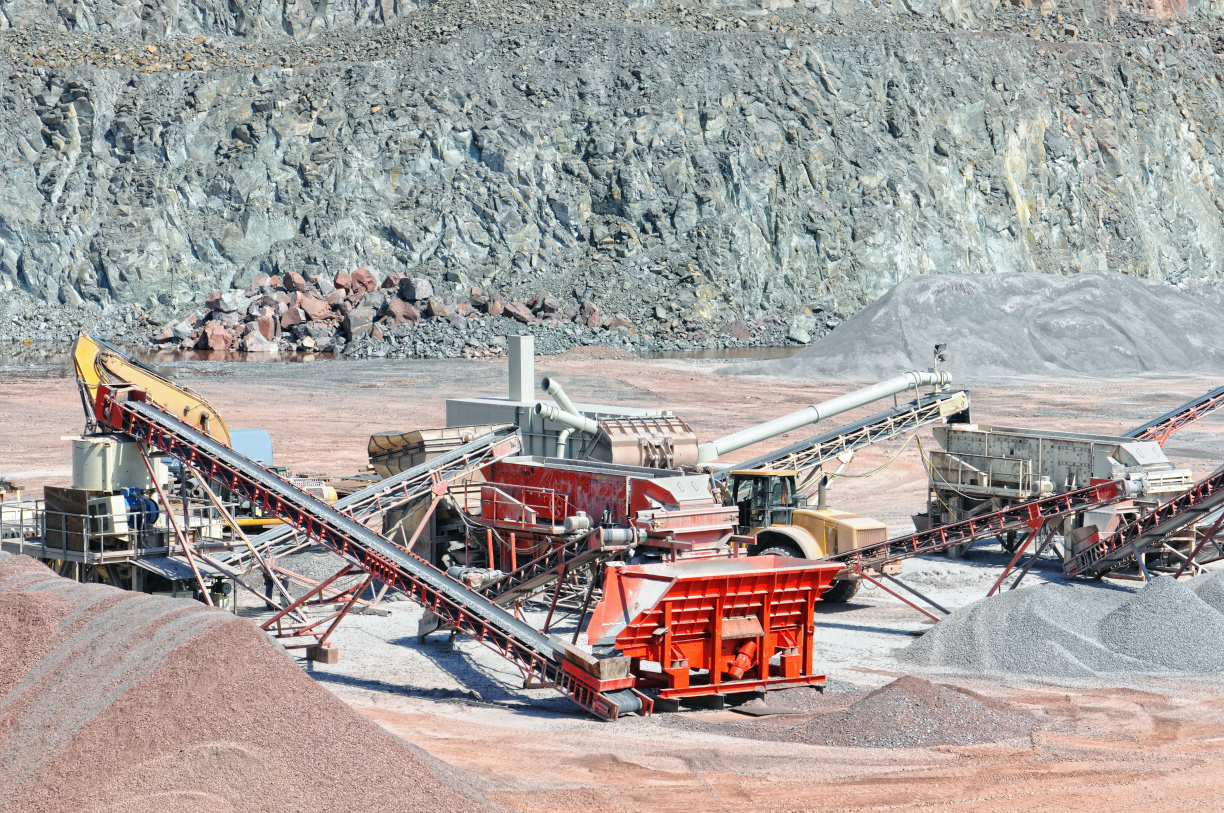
713 626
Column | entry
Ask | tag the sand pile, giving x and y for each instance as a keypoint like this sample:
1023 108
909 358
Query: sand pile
1080 631
1018 324
118 701
911 712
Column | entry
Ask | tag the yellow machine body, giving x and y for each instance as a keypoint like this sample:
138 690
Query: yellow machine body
98 363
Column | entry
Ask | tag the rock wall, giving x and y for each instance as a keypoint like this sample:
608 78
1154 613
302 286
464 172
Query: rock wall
682 163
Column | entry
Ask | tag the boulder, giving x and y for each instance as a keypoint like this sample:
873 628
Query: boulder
215 337
343 280
618 320
437 309
401 313
269 326
254 342
314 308
357 323
259 281
496 305
292 317
415 289
295 282
590 314
392 281
324 285
519 311
364 280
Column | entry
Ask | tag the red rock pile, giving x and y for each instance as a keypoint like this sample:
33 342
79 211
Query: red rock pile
118 701
291 312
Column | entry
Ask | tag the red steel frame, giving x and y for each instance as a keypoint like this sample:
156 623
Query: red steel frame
706 622
1160 429
1031 515
1161 521
526 649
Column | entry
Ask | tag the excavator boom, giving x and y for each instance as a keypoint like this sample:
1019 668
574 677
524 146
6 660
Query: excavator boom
98 363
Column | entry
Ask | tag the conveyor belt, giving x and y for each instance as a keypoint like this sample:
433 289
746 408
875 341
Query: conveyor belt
1031 515
533 653
1178 513
405 488
1159 429
807 455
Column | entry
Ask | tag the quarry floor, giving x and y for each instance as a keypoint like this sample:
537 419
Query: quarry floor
1151 745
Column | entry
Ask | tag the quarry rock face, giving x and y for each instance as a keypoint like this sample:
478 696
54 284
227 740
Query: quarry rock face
666 164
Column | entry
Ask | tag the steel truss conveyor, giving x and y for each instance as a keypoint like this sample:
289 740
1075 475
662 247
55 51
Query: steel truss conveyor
429 479
1123 544
124 410
807 456
1159 429
1030 515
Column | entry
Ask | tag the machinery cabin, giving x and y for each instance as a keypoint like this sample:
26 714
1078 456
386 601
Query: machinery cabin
780 522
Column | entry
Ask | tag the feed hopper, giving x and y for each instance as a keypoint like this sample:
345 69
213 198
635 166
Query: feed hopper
713 626
659 508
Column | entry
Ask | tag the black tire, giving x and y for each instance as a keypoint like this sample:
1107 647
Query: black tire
842 591
781 550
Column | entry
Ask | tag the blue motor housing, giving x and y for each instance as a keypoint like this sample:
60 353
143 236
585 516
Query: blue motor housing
142 511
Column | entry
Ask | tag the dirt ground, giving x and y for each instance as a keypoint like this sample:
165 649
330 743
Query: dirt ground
1150 746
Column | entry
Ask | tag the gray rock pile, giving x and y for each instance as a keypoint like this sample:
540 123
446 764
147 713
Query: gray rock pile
1080 631
911 712
1021 324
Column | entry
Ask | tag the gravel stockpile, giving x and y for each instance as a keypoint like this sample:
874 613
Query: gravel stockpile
112 701
911 712
1020 324
1078 631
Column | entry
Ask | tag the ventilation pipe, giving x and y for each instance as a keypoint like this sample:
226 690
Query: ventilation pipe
554 389
711 451
557 415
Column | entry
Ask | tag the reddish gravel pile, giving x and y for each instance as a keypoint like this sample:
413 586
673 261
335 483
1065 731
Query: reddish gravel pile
911 712
117 701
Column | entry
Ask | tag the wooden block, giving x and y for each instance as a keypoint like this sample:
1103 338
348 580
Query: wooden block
323 654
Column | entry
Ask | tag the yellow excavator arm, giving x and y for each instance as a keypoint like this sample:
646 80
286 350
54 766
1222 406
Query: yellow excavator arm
98 363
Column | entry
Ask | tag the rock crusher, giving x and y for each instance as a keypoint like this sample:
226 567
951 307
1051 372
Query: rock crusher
715 626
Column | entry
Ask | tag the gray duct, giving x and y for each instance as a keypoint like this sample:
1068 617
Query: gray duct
843 403
557 415
554 389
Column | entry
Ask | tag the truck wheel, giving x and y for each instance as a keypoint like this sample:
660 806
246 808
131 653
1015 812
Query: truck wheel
841 591
781 550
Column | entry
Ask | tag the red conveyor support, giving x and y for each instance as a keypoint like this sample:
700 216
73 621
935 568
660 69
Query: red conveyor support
124 410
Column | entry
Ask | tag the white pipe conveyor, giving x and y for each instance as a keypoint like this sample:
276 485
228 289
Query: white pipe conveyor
711 451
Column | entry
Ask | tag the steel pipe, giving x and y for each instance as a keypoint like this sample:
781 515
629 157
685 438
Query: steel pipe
558 415
551 387
563 442
711 451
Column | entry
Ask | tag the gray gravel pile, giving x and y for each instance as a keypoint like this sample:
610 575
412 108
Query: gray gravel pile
1078 631
911 712
1020 324
1210 588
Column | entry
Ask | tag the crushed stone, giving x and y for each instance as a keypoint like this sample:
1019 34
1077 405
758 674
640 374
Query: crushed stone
111 700
911 712
999 325
1081 631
